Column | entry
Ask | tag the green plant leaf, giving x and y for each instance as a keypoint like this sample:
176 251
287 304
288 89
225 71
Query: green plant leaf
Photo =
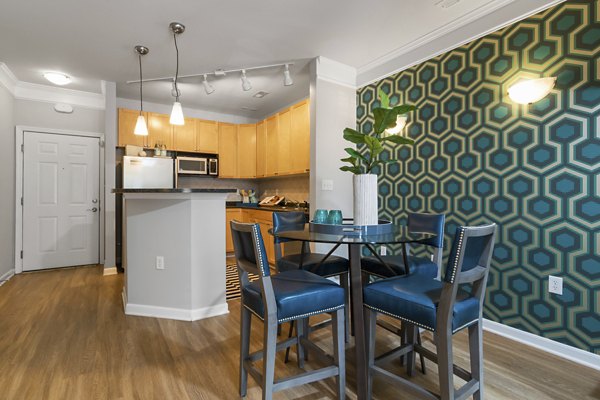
354 136
396 139
380 116
385 100
355 153
354 170
387 119
376 149
351 160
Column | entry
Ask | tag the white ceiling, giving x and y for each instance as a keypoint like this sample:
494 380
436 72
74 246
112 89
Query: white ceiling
93 41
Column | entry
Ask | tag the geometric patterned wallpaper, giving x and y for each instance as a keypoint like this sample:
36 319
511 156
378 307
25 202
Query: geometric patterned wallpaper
533 169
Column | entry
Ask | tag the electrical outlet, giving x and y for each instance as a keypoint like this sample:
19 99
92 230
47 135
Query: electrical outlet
555 284
383 250
327 184
160 262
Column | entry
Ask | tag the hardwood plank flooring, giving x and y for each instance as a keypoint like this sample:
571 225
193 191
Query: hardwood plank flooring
63 335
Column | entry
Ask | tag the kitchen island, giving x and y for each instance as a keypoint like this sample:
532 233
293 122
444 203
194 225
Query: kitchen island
174 252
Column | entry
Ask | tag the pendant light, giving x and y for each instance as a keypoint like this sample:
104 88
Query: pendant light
141 129
287 78
246 85
176 112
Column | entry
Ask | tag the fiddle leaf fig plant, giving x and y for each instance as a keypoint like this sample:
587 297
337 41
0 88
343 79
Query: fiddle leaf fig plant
385 117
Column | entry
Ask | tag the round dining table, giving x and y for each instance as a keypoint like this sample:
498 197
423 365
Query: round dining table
399 235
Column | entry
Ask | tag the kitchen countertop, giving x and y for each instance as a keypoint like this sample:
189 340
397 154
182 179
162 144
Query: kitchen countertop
255 206
177 190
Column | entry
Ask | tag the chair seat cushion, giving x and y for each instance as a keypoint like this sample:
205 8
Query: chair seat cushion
332 266
417 265
298 294
415 299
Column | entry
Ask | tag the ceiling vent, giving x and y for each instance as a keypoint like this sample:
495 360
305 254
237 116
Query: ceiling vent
249 109
260 95
446 3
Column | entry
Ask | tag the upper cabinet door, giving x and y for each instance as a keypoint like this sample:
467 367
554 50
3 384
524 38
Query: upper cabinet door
284 155
300 141
246 143
272 149
261 149
160 131
127 121
207 133
184 136
227 150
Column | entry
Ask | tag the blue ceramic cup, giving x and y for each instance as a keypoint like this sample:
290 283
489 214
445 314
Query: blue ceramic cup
335 217
320 217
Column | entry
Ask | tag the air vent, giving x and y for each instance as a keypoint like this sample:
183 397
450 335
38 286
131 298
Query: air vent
249 109
260 95
446 3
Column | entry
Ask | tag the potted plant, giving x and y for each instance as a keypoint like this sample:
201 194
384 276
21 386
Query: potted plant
388 122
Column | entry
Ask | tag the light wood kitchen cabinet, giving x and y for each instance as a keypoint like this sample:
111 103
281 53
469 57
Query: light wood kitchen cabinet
261 149
300 137
231 214
184 136
272 147
265 220
127 121
246 155
227 150
284 150
207 136
159 130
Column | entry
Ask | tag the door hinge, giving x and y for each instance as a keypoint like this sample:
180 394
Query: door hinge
21 254
21 201
22 148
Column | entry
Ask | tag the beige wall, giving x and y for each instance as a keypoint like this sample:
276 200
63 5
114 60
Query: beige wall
7 177
42 115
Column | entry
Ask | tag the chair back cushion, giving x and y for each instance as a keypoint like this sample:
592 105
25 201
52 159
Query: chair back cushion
249 248
472 247
287 221
429 223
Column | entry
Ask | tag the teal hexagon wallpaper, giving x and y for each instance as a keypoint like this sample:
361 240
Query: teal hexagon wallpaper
533 169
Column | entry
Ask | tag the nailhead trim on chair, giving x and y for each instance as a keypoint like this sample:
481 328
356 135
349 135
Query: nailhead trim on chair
457 255
260 259
298 316
401 318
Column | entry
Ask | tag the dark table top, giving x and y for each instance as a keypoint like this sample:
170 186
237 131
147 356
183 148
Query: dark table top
400 234
175 190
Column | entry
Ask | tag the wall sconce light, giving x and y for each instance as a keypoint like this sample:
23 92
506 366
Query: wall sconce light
531 90
400 124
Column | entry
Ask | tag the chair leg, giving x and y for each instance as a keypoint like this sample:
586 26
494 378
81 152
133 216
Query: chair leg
290 333
421 357
371 322
412 332
269 351
246 320
339 351
345 286
300 333
306 323
476 356
445 364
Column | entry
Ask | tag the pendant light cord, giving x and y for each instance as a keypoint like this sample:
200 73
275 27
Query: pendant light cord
141 102
176 67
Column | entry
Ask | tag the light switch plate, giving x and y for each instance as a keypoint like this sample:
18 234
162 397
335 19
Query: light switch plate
326 184
555 284
160 262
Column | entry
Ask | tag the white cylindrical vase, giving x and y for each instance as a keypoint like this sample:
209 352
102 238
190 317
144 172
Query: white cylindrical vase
365 199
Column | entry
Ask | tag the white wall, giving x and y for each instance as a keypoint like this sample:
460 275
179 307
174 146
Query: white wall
188 112
42 115
110 143
7 177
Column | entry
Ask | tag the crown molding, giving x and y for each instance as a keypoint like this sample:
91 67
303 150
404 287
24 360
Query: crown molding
335 72
7 78
49 94
457 33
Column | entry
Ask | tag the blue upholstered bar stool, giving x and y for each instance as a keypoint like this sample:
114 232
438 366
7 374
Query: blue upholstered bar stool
325 265
393 265
287 296
444 308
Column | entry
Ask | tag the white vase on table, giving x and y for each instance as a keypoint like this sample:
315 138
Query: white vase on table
365 199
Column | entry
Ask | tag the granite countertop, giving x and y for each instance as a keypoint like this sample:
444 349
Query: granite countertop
255 206
176 190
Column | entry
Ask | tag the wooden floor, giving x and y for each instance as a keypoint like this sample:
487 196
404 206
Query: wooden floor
63 335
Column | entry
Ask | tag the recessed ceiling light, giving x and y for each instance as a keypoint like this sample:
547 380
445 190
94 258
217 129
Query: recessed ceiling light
260 95
57 78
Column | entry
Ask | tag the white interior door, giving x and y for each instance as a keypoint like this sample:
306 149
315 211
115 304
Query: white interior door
61 206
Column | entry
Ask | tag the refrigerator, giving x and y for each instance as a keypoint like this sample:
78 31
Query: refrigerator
147 173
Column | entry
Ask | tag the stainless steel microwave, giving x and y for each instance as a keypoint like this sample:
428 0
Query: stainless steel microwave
197 166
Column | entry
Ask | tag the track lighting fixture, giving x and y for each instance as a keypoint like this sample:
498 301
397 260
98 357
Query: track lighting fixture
141 129
176 112
246 85
208 88
287 78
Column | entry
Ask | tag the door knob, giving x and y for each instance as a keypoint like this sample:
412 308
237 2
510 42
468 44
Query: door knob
92 209
95 201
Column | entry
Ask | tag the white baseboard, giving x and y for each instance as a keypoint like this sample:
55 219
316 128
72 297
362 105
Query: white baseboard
6 276
110 271
574 354
181 314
